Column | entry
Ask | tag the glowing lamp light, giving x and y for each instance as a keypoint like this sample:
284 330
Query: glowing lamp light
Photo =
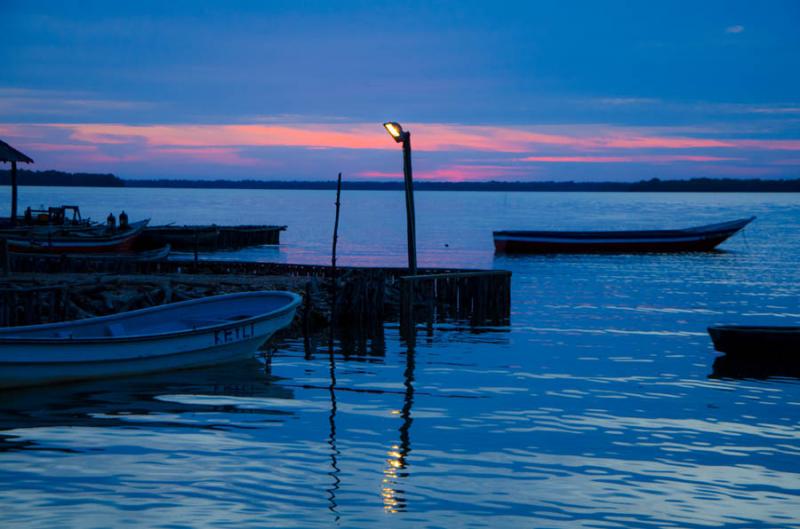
395 131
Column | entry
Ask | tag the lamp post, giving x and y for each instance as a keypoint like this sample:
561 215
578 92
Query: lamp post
404 137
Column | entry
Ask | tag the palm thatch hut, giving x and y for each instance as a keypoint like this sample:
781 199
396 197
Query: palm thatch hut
9 154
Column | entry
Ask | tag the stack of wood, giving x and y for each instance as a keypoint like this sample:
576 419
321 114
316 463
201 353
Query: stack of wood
50 298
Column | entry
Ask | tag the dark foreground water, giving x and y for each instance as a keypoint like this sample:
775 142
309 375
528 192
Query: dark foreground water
601 405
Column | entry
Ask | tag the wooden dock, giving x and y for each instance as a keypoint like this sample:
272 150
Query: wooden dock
211 237
366 297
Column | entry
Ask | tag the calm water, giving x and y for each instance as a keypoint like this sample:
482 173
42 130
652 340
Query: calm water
599 406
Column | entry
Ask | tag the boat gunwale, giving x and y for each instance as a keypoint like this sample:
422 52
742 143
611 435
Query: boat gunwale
293 301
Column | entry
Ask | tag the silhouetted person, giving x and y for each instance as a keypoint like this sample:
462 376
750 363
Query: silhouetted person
28 216
123 220
111 222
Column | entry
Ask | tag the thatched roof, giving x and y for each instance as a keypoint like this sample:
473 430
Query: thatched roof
10 154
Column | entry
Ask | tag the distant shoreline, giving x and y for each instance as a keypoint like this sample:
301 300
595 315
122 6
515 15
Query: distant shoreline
711 185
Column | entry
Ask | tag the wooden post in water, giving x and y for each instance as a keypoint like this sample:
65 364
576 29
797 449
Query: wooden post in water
333 253
195 249
5 260
411 224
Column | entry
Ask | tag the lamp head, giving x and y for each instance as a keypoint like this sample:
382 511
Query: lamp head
395 131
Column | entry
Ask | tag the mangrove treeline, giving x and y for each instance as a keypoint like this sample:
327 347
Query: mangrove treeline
59 178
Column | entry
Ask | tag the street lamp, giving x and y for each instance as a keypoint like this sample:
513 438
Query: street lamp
400 136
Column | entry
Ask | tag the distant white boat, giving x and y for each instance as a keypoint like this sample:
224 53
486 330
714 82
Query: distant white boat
188 334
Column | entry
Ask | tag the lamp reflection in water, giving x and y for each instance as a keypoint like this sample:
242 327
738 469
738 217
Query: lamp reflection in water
397 463
334 473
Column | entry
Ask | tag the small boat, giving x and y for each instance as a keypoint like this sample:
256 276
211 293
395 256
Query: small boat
187 334
758 341
135 256
98 240
697 239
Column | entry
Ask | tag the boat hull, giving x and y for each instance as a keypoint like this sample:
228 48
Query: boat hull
739 340
28 361
141 256
37 373
77 243
703 238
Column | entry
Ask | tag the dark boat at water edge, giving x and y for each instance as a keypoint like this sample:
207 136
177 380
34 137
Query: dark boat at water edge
211 237
756 341
696 239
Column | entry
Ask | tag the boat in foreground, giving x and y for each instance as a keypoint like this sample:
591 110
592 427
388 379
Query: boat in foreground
136 256
756 341
700 238
180 335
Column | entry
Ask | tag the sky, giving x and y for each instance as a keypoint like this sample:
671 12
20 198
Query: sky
490 90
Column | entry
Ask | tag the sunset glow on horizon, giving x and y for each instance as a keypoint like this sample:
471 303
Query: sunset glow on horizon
511 153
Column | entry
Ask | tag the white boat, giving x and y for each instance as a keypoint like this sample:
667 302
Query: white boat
181 335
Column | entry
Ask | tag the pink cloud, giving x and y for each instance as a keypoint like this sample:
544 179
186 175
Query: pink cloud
575 159
655 142
463 173
218 155
212 155
493 150
425 137
379 174
60 147
770 145
647 158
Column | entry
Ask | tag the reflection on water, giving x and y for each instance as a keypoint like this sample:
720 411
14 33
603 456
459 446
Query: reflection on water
396 471
761 367
119 401
601 405
519 438
334 473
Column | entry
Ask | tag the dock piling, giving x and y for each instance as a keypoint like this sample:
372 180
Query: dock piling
5 261
365 297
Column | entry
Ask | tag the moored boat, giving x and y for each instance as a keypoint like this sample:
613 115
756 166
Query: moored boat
97 240
180 335
738 340
135 256
700 238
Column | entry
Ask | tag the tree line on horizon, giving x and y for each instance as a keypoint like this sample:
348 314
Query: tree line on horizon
26 177
60 178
